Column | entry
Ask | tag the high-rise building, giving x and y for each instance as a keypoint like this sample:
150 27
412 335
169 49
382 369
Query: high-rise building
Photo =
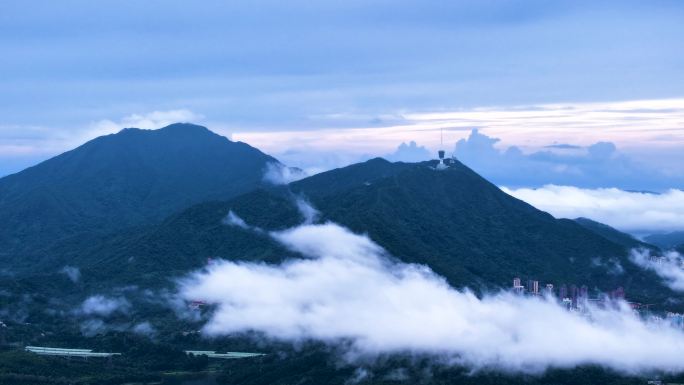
618 293
517 286
584 293
549 289
573 294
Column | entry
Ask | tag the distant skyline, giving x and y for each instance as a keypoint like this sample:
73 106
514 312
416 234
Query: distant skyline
324 84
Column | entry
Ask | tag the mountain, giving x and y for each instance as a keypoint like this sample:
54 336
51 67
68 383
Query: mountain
465 228
667 241
613 234
134 177
472 233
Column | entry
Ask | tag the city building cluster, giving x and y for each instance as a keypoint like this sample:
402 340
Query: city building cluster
577 298
573 297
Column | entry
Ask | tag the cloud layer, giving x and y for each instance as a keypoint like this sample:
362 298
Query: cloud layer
624 210
349 290
669 266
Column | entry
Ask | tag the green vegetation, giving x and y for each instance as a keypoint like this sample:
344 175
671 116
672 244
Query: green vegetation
112 182
101 208
613 235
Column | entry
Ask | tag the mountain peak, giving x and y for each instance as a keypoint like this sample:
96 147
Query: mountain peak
184 129
130 178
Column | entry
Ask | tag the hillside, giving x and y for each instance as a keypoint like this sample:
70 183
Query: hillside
454 221
134 177
469 231
667 241
613 234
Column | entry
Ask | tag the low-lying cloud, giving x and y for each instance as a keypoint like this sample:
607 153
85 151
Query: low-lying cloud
72 272
348 290
669 266
233 219
624 210
104 306
277 173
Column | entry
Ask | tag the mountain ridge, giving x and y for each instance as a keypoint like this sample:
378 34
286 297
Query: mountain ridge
465 228
125 179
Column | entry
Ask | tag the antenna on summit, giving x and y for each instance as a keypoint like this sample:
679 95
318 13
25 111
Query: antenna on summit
441 165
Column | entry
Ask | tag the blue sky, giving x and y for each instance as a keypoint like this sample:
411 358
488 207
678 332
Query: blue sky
73 69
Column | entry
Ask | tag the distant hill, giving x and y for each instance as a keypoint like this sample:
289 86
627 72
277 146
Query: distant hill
667 241
134 177
463 227
613 234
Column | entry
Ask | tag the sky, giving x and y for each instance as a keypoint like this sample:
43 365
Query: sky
324 84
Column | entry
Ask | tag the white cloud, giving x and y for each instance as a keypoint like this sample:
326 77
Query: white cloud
410 152
104 306
277 173
233 219
349 290
144 328
72 272
624 210
669 266
308 212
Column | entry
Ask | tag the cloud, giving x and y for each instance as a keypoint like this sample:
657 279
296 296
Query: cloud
278 174
669 266
92 327
564 146
104 306
144 328
647 136
612 265
233 220
73 273
624 210
307 211
410 152
597 165
348 290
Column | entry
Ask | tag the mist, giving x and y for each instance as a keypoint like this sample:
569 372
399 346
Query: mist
104 306
349 292
669 266
278 173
